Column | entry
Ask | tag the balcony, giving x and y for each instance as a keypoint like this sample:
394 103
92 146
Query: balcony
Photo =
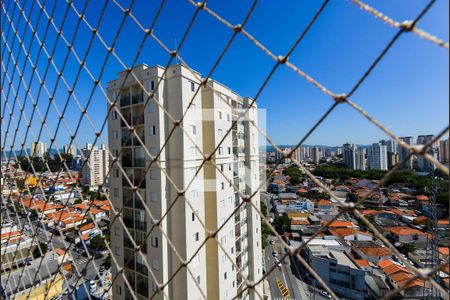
139 162
142 226
127 161
127 141
124 100
138 119
138 98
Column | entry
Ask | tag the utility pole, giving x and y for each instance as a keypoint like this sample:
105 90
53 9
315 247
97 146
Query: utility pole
433 238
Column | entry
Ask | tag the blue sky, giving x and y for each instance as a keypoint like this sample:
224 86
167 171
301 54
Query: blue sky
408 91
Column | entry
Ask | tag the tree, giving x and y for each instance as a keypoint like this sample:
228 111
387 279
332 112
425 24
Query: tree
282 224
36 253
107 262
407 248
263 209
352 197
98 243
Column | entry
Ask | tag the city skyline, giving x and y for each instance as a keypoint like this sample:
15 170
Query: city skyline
398 105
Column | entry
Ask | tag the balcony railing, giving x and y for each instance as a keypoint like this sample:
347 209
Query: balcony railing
124 100
138 98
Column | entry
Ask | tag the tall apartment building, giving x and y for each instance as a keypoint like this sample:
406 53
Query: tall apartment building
403 153
377 157
298 154
349 153
361 161
315 154
392 152
38 149
92 170
422 163
444 148
212 197
105 160
70 149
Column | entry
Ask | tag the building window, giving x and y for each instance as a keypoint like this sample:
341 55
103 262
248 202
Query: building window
225 275
220 133
222 203
152 108
220 115
153 175
155 242
193 217
116 173
115 192
196 236
222 185
119 290
194 129
220 150
198 279
153 197
192 86
152 85
114 115
153 130
229 150
116 134
155 264
228 117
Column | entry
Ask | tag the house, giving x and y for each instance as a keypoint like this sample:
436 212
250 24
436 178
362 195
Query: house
370 251
324 205
407 235
97 214
351 234
397 276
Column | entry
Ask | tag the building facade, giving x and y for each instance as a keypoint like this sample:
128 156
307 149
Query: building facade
38 149
208 198
377 157
70 149
361 161
403 153
349 153
444 148
92 169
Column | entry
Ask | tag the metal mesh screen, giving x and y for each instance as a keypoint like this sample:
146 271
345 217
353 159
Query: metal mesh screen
41 68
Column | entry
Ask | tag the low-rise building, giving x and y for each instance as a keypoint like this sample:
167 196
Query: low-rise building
338 271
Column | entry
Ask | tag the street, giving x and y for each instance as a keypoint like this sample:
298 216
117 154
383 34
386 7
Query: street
282 280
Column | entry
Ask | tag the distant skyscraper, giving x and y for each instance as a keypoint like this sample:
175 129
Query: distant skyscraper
422 163
70 150
315 155
444 151
298 154
377 157
361 160
38 149
105 160
349 152
403 153
92 171
392 152
286 151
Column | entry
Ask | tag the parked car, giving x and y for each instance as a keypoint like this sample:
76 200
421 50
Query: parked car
92 284
325 294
